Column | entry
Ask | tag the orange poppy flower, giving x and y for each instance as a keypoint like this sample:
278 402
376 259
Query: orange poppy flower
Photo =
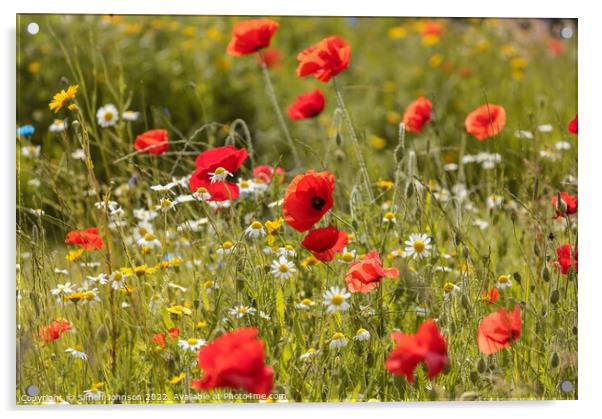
307 198
567 258
498 330
325 59
428 345
250 36
491 295
87 239
155 141
271 57
486 121
323 242
365 275
54 330
417 114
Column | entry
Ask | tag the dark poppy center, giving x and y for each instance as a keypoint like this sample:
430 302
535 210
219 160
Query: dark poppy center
317 203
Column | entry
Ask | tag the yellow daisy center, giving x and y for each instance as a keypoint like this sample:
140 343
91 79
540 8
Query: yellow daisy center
244 183
256 225
108 116
503 279
337 299
283 268
448 287
306 302
227 245
220 171
149 237
338 335
389 216
419 246
202 190
192 341
347 256
243 310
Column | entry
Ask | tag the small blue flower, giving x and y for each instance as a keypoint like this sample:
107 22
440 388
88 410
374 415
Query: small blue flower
25 130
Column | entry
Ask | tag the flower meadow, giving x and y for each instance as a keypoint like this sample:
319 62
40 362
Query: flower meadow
295 209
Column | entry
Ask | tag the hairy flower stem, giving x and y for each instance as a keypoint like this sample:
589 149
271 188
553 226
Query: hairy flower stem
272 95
354 140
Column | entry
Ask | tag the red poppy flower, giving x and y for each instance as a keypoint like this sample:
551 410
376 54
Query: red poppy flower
325 59
271 57
498 330
159 339
566 258
235 360
266 173
307 105
569 201
155 141
556 46
417 114
428 345
491 295
486 121
213 167
574 126
54 330
174 332
87 239
432 29
250 36
307 198
323 242
365 275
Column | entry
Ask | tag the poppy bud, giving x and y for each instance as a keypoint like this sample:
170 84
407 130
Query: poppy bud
339 155
545 274
517 276
474 376
560 204
554 361
554 297
481 366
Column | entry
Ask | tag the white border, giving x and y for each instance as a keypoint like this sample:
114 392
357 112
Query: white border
590 210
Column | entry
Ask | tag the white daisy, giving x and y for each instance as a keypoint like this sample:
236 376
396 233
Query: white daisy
562 145
241 311
545 128
144 214
311 352
338 341
450 289
201 194
420 311
107 115
219 175
163 188
130 116
305 304
255 230
58 125
523 134
335 298
450 167
494 201
101 278
418 246
361 334
389 217
225 248
282 268
193 225
61 271
191 344
75 353
286 251
62 289
149 241
31 151
348 255
504 281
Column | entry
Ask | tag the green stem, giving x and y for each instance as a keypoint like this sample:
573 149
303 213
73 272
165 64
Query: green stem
281 121
354 140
